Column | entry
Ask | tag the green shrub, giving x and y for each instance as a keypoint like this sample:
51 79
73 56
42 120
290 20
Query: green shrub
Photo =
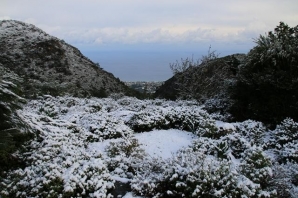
195 174
284 140
252 131
188 118
108 127
256 166
232 144
125 157
285 179
13 131
267 87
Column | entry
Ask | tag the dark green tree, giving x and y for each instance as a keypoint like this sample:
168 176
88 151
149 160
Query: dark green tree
267 87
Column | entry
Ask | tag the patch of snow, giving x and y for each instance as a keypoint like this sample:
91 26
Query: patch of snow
99 147
120 179
125 115
130 195
158 143
224 125
164 143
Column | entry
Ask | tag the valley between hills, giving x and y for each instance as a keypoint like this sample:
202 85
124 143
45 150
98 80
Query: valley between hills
220 127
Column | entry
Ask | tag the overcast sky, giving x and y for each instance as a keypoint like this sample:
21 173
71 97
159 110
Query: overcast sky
97 25
138 22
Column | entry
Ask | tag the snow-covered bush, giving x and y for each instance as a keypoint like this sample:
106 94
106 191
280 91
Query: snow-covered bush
285 179
58 163
128 147
106 127
128 102
217 107
284 139
146 180
284 133
192 119
266 89
236 143
87 177
188 118
252 131
220 130
49 109
207 146
290 151
232 144
116 96
125 157
148 119
87 148
55 172
256 166
94 115
195 174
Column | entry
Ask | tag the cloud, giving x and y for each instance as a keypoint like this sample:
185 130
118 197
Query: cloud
5 18
159 22
161 35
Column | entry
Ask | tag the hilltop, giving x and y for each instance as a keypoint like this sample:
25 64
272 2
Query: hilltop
34 63
207 82
49 65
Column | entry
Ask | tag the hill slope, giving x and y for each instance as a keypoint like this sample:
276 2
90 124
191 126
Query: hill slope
49 65
208 79
13 130
208 82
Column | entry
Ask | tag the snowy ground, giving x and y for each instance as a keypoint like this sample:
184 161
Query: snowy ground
88 147
157 143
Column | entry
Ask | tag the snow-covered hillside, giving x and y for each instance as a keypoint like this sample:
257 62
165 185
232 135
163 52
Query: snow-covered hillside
48 65
121 146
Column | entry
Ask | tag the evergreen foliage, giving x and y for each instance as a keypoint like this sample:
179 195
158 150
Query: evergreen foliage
190 118
243 159
267 87
86 147
13 131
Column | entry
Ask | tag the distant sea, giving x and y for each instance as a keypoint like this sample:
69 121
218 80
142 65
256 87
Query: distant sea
148 64
138 65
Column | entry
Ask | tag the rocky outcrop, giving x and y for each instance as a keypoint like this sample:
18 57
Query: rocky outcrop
48 65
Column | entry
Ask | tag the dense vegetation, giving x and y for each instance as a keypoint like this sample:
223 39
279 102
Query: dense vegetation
13 131
223 160
261 85
267 86
51 146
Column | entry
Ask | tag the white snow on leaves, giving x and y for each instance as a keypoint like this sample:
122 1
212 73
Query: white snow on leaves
157 143
68 156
